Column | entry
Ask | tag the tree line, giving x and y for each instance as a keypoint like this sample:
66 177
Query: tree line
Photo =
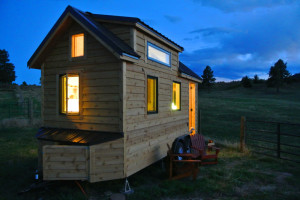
278 75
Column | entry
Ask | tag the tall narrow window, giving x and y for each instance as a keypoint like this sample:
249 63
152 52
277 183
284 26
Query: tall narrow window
152 94
69 94
176 96
78 45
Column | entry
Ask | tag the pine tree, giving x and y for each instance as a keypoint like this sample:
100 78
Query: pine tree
7 70
278 74
208 77
246 82
255 79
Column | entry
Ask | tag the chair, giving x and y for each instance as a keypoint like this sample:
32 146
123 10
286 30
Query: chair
198 150
180 168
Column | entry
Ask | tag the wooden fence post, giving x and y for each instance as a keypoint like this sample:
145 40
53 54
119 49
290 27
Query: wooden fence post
30 111
243 133
278 140
199 121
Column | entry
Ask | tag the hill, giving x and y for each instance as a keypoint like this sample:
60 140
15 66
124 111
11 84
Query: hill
221 110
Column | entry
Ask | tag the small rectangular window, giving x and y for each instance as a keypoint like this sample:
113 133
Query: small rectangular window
78 45
152 94
176 96
158 54
69 94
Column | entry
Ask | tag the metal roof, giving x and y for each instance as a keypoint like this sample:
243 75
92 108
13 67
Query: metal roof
184 69
100 31
75 136
132 20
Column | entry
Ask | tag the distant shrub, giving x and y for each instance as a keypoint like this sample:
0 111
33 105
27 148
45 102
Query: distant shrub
246 82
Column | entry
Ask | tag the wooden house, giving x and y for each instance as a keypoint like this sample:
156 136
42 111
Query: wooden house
114 93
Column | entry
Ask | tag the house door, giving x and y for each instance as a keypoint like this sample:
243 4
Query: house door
192 107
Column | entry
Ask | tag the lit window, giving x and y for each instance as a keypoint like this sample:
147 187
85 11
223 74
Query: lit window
152 94
158 54
78 45
176 96
69 94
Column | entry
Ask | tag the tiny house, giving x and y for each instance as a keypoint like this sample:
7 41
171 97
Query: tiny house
114 93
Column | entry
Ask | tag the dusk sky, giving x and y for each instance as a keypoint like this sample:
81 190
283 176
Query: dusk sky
234 37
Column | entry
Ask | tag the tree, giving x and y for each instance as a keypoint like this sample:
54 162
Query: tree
208 77
246 82
255 79
278 74
24 83
7 70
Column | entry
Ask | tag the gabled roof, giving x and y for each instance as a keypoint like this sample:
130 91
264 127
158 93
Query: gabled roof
185 70
91 23
132 20
98 30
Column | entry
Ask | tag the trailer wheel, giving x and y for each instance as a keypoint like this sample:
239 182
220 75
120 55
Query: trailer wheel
179 148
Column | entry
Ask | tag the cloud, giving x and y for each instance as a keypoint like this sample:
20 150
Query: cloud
243 5
263 39
173 19
213 31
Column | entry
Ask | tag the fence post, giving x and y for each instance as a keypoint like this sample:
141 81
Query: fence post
278 140
199 121
243 133
30 110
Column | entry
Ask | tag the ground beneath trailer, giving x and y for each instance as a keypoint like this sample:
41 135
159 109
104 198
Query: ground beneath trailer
237 176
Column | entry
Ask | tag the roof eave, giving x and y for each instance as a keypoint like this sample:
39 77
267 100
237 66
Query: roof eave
184 75
142 26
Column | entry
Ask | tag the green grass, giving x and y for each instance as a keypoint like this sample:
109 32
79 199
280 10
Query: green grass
237 176
221 110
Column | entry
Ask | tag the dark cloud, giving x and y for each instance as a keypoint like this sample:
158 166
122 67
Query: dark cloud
263 39
173 19
243 5
213 31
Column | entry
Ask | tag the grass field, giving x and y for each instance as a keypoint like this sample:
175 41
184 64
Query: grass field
221 110
237 176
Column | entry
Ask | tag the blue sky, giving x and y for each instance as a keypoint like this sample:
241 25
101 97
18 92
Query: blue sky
235 38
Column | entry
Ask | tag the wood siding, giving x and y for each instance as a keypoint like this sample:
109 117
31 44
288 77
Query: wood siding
107 161
65 162
99 72
124 32
147 135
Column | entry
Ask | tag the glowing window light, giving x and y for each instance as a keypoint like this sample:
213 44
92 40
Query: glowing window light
78 45
176 96
69 94
151 94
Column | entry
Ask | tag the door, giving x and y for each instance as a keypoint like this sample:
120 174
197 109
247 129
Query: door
192 107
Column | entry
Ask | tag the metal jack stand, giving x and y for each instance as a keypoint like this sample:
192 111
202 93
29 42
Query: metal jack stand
127 188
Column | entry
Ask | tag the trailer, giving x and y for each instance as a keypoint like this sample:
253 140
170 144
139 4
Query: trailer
114 93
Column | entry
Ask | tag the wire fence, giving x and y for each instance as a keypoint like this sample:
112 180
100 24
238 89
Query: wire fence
27 109
275 139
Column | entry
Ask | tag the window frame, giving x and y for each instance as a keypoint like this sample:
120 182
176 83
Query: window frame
60 94
179 95
84 46
160 49
155 78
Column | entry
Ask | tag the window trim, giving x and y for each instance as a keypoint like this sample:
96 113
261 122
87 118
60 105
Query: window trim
60 95
179 95
160 49
84 46
155 78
